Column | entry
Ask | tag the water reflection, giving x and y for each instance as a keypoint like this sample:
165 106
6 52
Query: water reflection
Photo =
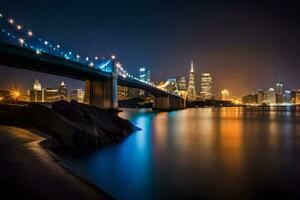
225 153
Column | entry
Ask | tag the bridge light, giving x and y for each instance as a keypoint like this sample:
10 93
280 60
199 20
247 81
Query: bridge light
91 64
11 21
21 40
118 65
19 27
113 57
30 34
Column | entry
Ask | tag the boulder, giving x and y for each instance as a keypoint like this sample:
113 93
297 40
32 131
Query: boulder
72 124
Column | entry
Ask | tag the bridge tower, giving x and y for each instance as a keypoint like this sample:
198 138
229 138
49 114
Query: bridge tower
103 93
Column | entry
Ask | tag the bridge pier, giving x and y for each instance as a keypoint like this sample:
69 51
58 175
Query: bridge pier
101 93
168 103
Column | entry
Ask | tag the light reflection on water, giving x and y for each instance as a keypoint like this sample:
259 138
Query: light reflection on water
208 153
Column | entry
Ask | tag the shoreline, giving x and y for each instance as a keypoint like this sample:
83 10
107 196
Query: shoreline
53 180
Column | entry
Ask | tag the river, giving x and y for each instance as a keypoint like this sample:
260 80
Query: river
201 153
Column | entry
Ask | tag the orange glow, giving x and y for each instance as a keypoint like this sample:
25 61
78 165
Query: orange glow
15 94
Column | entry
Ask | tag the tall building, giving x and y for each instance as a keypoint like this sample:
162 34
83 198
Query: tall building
225 95
37 85
182 84
206 86
271 96
279 91
36 94
51 95
260 97
287 96
144 76
77 95
63 91
297 97
191 88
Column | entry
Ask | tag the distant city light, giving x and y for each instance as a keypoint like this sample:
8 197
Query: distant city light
30 34
19 27
58 46
38 52
96 58
77 56
87 58
15 94
1 15
46 42
11 21
113 57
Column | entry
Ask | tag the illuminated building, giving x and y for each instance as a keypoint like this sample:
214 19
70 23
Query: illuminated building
144 76
287 96
63 91
271 97
51 95
250 99
297 97
77 95
225 95
37 94
206 86
191 88
279 91
182 84
260 97
37 85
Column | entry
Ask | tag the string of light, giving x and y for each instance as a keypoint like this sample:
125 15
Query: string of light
26 38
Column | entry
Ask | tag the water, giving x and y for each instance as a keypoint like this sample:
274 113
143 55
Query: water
203 153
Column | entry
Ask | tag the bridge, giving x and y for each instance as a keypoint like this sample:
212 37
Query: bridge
22 49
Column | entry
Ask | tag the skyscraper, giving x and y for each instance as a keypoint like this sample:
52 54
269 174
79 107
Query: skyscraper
63 91
77 95
191 89
36 94
144 76
279 91
260 97
206 86
271 96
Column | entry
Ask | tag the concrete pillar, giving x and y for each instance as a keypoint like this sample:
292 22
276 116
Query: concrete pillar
101 93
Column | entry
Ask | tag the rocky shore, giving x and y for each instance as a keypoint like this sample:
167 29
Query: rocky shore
71 124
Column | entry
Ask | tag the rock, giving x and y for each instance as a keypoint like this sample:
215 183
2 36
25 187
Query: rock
72 124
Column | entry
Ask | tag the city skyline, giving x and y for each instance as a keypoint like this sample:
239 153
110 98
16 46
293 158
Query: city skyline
221 53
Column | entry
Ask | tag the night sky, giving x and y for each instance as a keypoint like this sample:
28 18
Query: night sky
246 45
